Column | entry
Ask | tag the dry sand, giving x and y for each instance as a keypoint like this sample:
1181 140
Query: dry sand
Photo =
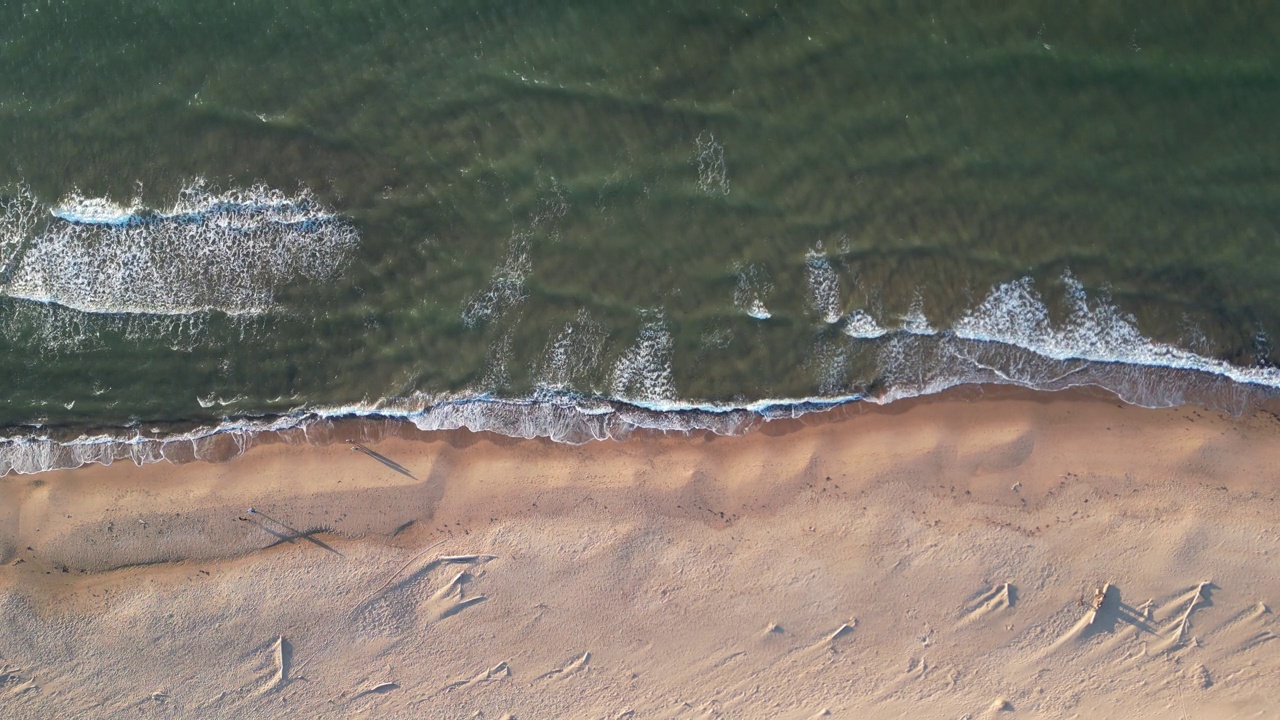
1027 556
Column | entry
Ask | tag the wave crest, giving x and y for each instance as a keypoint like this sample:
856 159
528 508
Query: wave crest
231 250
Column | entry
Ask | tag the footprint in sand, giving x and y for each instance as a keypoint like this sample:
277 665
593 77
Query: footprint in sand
498 672
407 601
381 688
996 599
14 682
918 670
282 656
1107 614
450 599
1103 611
1176 617
578 665
832 640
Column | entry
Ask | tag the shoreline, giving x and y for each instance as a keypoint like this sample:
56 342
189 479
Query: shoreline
561 420
928 555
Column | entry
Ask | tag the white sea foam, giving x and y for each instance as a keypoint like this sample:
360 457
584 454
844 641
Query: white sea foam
1095 329
644 372
572 355
497 373
1008 339
76 208
859 324
56 329
829 365
717 337
914 321
19 215
752 288
228 251
713 175
923 365
51 327
213 399
506 289
506 286
824 285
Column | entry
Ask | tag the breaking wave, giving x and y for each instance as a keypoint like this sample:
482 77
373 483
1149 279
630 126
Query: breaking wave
644 372
753 286
569 418
230 251
1009 339
824 285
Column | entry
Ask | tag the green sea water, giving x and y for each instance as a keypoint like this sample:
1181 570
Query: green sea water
605 199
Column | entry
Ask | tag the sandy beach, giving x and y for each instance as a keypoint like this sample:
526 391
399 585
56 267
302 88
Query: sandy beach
1021 555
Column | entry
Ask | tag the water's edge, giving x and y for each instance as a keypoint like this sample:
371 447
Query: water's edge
573 419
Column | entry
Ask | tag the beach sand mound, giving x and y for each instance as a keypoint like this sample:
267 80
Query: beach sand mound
1008 558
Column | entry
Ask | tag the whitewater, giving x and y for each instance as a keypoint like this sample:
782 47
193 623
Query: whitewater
1007 339
84 260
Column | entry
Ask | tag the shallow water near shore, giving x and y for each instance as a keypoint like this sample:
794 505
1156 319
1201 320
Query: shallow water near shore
572 221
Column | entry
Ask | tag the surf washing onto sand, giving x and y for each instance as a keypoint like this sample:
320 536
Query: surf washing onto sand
1008 338
535 222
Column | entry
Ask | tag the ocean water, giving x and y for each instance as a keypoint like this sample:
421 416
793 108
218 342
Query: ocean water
575 219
